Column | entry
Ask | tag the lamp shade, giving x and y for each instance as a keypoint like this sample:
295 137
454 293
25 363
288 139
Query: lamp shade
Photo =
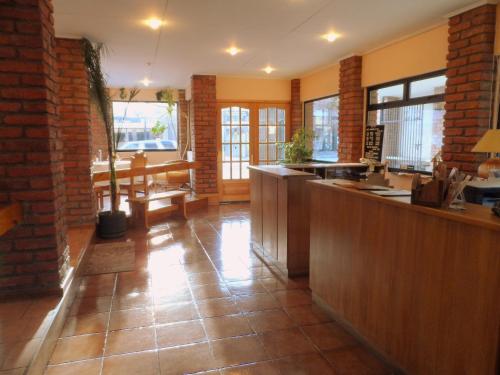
490 142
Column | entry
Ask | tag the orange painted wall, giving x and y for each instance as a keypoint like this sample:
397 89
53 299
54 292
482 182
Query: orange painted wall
252 89
321 83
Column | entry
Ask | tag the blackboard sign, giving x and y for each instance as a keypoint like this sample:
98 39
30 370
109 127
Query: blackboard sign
374 141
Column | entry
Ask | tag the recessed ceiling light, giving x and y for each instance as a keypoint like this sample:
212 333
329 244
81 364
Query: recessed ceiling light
146 81
269 69
233 51
330 37
154 23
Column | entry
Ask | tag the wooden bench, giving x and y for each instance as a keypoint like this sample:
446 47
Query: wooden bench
150 208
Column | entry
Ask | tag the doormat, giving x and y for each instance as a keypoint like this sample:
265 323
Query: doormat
111 257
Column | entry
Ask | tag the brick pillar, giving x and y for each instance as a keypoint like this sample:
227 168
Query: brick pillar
34 255
469 87
295 106
98 132
351 109
74 118
182 121
203 108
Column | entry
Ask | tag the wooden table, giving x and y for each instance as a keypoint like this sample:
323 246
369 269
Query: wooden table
420 285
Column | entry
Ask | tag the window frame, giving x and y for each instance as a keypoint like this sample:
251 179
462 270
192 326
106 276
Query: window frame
304 122
149 150
406 101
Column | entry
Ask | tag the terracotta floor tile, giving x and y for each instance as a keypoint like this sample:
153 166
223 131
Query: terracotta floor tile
269 320
260 368
132 301
19 354
305 364
17 371
285 343
182 333
143 363
176 312
186 359
84 324
238 350
77 348
356 360
90 305
130 340
329 336
227 326
307 314
257 302
217 307
196 267
161 297
204 278
134 318
246 287
203 292
89 367
290 298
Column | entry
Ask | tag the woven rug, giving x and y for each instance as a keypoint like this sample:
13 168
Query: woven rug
111 257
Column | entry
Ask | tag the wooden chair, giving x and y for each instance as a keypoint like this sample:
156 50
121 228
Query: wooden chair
174 180
139 181
153 207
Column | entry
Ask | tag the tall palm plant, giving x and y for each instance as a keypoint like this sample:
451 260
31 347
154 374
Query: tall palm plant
100 95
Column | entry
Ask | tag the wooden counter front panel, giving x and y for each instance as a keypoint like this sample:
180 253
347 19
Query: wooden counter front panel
423 290
256 206
270 215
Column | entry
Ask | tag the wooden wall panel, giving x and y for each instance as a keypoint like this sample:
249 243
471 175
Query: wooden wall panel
256 206
270 215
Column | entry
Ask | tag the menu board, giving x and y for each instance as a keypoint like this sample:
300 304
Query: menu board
374 141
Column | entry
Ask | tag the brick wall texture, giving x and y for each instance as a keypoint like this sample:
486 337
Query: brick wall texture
203 117
295 106
182 112
98 133
351 110
74 119
34 255
468 96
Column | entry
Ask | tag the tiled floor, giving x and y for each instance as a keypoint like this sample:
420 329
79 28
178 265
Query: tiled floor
200 301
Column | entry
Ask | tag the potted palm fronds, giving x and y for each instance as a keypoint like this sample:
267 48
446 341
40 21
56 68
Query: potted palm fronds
112 223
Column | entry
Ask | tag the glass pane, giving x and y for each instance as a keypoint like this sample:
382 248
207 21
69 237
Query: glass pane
281 152
226 171
226 152
245 134
244 170
226 134
262 133
245 116
387 94
235 115
272 151
281 117
429 86
235 169
272 134
226 116
236 152
235 131
263 152
262 116
271 119
245 152
281 134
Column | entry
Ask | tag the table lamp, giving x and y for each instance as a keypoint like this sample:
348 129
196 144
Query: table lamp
490 142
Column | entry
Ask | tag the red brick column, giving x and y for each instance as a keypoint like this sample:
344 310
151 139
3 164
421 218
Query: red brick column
295 106
182 111
34 255
74 118
98 133
468 97
351 110
203 108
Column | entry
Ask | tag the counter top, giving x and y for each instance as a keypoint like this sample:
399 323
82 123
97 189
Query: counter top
325 165
474 214
279 171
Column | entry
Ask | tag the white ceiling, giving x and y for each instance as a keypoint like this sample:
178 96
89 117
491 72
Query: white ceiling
283 33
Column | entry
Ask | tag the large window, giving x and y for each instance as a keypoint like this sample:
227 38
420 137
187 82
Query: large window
322 117
412 113
145 126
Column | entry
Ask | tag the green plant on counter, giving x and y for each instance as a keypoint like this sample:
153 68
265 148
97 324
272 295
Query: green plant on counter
158 129
299 149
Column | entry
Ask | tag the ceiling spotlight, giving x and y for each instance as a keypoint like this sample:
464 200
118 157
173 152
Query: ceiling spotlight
233 51
268 69
330 37
146 81
154 23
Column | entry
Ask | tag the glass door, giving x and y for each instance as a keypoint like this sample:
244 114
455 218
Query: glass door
272 134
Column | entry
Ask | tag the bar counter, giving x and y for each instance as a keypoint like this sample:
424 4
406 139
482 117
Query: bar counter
419 285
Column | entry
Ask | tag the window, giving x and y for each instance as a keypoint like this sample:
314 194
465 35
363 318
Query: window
235 138
145 126
322 117
412 113
272 129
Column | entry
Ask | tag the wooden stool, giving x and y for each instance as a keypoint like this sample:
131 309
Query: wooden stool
143 213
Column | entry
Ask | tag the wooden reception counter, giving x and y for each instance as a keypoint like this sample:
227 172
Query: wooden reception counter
280 216
420 285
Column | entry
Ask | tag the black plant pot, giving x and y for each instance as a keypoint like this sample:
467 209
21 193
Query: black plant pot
111 225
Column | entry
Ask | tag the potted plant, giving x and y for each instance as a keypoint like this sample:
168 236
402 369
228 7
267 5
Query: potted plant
112 223
158 129
299 150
